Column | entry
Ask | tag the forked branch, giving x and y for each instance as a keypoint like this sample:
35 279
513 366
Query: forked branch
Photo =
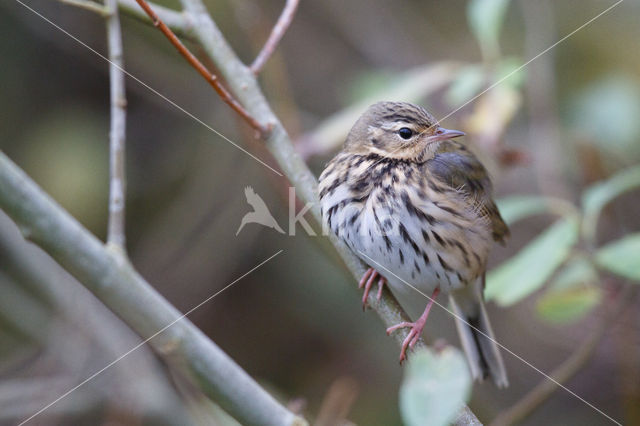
211 78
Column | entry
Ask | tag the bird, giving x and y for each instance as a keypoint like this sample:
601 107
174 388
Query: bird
416 206
260 213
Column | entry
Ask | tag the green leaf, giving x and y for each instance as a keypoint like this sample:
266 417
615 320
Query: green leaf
519 207
572 294
606 113
434 387
568 305
485 19
622 257
531 267
597 196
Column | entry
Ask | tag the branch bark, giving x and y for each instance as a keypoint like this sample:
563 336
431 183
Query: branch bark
108 274
117 133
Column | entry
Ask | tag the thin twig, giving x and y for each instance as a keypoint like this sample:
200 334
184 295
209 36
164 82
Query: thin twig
171 18
285 19
568 368
117 134
204 72
88 5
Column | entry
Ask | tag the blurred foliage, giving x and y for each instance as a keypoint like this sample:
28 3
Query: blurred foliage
485 19
605 114
434 387
622 257
573 292
532 266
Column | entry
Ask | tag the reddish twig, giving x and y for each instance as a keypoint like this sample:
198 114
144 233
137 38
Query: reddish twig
204 72
276 34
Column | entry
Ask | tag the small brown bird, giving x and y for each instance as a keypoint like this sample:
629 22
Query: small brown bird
417 207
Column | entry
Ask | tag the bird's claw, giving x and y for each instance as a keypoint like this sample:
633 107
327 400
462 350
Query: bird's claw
411 339
367 281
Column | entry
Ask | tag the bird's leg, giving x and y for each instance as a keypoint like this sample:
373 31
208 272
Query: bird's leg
416 327
367 281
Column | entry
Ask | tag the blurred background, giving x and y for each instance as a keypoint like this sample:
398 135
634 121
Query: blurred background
561 139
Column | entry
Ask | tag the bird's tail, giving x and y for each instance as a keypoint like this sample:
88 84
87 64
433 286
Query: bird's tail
473 327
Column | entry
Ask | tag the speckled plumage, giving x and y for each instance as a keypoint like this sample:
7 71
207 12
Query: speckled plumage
422 208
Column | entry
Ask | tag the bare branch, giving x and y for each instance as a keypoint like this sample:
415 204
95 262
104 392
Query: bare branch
88 5
204 72
565 371
111 278
172 18
117 133
285 19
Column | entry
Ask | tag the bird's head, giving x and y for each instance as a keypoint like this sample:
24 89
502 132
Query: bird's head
397 130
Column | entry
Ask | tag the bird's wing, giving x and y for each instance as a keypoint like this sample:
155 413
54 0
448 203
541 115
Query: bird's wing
457 168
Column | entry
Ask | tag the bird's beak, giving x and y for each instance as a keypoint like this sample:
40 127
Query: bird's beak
442 134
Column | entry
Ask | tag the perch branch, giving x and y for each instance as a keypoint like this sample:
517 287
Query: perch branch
108 274
212 79
243 82
117 133
568 368
285 19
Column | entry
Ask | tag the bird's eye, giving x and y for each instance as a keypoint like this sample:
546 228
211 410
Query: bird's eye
405 133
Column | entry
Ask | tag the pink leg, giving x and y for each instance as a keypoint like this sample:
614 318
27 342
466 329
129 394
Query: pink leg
416 328
367 281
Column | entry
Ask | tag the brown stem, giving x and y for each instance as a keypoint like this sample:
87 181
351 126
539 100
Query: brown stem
568 368
204 72
276 35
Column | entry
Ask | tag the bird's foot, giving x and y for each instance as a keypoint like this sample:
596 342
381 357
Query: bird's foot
416 328
367 281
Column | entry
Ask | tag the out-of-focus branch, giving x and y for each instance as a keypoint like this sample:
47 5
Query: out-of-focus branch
172 18
109 275
569 367
276 35
90 5
117 133
212 79
243 82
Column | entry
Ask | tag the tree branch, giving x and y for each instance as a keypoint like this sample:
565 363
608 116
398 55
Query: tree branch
108 274
243 82
172 18
117 133
88 5
568 368
204 72
276 35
